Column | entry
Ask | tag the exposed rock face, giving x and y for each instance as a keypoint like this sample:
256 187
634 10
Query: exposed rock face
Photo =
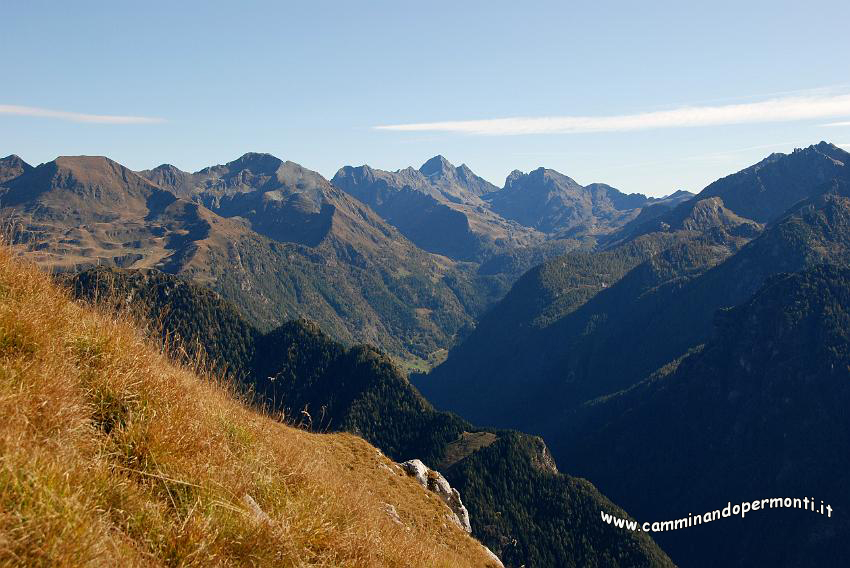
542 459
554 203
435 482
12 167
439 207
257 512
764 191
417 470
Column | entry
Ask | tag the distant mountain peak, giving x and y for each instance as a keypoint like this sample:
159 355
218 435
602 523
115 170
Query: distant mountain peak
256 162
12 166
86 168
436 165
824 146
765 190
541 175
679 193
513 176
83 160
12 159
167 168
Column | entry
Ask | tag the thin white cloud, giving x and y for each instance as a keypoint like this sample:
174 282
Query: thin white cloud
846 123
781 109
76 116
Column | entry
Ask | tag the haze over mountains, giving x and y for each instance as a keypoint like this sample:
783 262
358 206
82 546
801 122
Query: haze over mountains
439 207
232 226
451 211
677 352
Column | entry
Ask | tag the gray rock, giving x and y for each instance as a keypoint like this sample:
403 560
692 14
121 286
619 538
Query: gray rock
392 514
436 483
259 515
417 470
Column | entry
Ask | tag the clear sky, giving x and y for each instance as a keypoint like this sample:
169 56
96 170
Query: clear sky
646 96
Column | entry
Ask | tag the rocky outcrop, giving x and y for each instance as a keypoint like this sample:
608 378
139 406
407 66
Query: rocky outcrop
493 557
434 481
541 458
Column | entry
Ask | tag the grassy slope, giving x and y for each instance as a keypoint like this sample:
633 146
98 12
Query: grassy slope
112 455
552 521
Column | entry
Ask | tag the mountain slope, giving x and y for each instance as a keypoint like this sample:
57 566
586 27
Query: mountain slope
575 338
11 167
88 210
554 203
302 374
766 190
111 455
705 215
416 301
761 193
439 207
281 243
759 411
565 331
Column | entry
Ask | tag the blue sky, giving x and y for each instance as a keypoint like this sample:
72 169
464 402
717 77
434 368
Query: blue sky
312 81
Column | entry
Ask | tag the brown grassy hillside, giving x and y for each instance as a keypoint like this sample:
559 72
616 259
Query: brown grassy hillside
110 454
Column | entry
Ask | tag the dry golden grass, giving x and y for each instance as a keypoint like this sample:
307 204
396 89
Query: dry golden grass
110 454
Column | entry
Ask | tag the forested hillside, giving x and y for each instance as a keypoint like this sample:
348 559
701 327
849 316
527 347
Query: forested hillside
299 372
758 411
568 351
112 455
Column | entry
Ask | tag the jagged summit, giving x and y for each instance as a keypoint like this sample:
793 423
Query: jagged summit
439 207
165 168
555 203
437 165
549 176
12 166
13 160
767 189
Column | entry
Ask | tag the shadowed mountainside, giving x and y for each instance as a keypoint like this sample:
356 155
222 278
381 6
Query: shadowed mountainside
439 207
567 330
758 411
565 355
320 384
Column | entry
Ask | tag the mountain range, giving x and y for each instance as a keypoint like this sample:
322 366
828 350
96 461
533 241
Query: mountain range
679 352
451 211
297 372
578 336
281 241
114 455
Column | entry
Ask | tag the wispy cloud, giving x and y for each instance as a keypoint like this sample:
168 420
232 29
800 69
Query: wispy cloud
77 116
782 109
845 123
